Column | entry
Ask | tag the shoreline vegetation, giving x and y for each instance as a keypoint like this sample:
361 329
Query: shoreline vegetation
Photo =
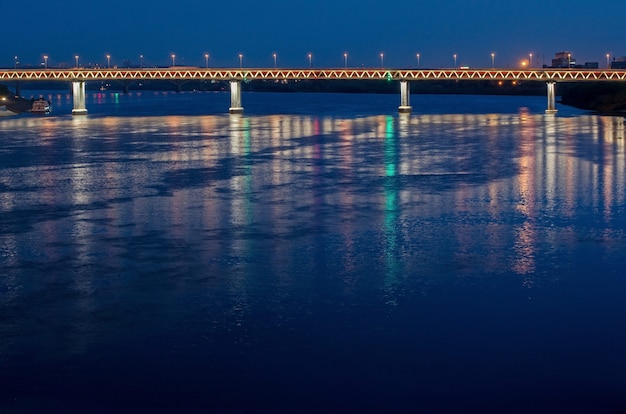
602 97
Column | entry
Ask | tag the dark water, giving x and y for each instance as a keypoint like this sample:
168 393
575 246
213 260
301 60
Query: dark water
318 254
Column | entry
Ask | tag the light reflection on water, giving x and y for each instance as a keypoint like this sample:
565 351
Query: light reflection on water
239 229
277 175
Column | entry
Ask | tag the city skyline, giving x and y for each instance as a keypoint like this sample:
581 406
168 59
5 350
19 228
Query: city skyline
355 34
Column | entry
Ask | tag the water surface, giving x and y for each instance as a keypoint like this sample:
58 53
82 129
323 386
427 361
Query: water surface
319 253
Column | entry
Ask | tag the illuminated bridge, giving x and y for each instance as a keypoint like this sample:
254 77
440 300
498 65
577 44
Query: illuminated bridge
78 77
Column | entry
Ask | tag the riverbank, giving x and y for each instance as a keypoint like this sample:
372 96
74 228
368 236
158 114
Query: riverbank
603 97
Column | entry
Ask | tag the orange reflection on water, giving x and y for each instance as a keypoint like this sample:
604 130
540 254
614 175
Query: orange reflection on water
305 172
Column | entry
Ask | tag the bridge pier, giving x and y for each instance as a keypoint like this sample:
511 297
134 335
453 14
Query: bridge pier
405 98
551 98
78 93
235 98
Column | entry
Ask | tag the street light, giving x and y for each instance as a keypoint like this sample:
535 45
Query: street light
274 56
530 61
240 60
345 60
493 60
418 60
569 60
45 61
140 61
206 60
16 62
608 55
108 61
382 60
173 59
310 60
454 56
76 58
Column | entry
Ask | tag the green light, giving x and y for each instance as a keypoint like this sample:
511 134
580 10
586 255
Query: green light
389 77
392 206
390 148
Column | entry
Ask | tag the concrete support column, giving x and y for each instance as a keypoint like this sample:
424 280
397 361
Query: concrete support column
18 88
78 93
235 98
551 98
405 98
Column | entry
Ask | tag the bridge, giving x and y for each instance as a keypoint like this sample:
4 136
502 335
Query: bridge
78 77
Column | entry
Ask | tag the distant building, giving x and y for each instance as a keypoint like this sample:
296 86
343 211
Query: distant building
566 60
563 60
619 63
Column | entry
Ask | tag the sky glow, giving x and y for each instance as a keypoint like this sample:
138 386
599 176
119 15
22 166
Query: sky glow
325 29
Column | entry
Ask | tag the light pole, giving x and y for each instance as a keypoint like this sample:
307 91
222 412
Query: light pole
454 56
310 60
345 60
608 56
382 60
569 60
108 61
45 61
530 61
274 56
173 59
16 62
76 58
240 61
140 61
418 60
493 60
206 60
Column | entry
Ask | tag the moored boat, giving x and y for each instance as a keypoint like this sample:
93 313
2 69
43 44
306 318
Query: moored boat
41 106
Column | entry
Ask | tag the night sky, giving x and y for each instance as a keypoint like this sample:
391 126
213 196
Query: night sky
327 29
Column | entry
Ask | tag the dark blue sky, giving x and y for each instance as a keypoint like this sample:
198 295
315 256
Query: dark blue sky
472 29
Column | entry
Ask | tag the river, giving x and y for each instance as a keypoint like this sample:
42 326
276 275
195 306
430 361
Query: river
319 253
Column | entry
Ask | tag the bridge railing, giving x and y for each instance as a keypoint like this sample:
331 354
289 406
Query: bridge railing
563 75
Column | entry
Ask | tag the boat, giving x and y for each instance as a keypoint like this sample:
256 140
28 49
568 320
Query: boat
41 106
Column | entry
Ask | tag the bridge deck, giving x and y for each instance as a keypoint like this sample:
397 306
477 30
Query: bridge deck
563 75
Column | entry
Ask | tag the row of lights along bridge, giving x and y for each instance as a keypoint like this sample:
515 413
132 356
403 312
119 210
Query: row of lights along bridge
524 63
